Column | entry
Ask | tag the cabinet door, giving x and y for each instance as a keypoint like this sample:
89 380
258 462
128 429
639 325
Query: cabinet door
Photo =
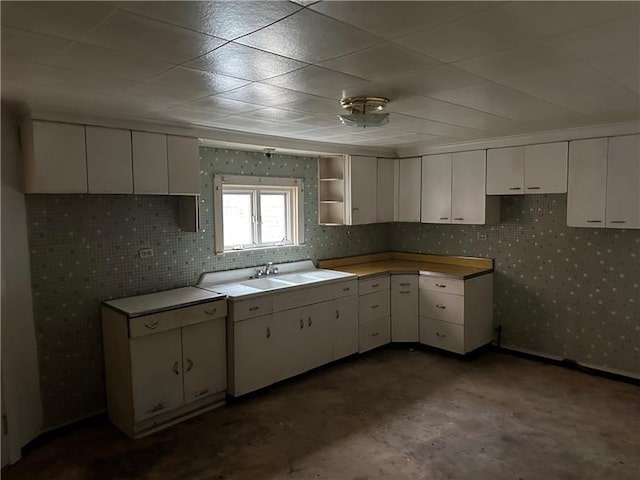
468 189
623 182
150 174
386 184
436 188
505 171
290 344
345 327
253 354
319 334
204 362
586 192
363 182
156 373
183 159
545 168
55 157
109 166
409 175
404 308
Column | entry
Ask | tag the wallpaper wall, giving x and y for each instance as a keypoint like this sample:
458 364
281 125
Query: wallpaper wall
84 249
567 292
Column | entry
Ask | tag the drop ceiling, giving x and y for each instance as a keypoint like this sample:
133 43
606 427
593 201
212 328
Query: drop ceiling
454 71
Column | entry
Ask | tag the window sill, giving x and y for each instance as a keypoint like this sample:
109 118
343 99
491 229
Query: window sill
260 249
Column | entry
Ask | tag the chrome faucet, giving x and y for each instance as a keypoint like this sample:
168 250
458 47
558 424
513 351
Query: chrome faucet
268 269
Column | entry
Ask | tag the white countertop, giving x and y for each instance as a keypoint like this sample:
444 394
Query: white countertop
160 301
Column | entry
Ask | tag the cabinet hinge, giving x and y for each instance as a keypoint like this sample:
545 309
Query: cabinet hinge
5 425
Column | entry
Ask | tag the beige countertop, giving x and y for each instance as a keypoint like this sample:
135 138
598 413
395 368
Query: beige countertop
399 262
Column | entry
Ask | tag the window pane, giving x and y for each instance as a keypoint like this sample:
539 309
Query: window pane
273 210
238 227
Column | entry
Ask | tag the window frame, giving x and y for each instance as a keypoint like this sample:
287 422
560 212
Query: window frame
293 188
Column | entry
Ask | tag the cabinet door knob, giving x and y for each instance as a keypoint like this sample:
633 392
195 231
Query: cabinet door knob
201 393
514 188
211 312
375 285
337 313
617 221
176 369
310 322
189 364
405 284
533 188
346 289
355 209
440 335
441 307
375 334
301 323
156 408
594 221
152 325
444 218
253 309
375 306
268 332
441 285
459 218
404 291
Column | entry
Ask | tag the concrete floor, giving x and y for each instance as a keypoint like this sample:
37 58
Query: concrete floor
392 414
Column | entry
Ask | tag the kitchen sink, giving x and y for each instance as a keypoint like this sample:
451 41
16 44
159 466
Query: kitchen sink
266 283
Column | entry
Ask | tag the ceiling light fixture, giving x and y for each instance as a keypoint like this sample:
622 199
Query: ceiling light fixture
364 112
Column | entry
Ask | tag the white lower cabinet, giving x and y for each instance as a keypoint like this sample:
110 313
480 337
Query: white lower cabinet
374 310
345 327
456 315
404 308
164 367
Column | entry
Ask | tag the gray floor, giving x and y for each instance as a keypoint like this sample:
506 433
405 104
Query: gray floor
392 414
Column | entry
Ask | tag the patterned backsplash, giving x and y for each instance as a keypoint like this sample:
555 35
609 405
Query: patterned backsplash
567 292
84 249
559 291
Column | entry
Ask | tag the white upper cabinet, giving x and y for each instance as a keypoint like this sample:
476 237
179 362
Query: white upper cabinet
408 190
469 202
436 188
587 188
623 182
55 157
150 171
183 160
505 171
531 169
109 167
362 183
545 168
385 200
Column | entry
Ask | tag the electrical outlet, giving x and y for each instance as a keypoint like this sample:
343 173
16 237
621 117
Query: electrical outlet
145 252
482 236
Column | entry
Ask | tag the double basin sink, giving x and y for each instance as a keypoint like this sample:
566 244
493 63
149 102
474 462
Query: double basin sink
287 280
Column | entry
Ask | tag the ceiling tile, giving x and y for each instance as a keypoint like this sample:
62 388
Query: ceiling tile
380 61
108 62
298 118
509 103
622 68
420 125
220 106
189 79
478 34
309 37
251 124
327 83
223 19
245 62
30 47
191 116
395 18
433 80
261 94
161 95
553 17
315 105
59 19
150 38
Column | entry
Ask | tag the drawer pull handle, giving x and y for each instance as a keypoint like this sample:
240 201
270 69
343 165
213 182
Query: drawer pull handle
441 285
594 221
405 284
355 209
375 306
176 370
441 307
189 364
301 323
268 332
458 218
375 334
533 188
156 408
211 312
337 313
201 393
405 291
444 218
375 285
514 188
441 335
253 309
617 221
309 322
346 289
152 326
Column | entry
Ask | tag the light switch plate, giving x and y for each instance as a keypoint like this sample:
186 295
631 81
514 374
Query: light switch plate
145 252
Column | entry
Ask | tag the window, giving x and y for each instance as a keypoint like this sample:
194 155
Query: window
257 212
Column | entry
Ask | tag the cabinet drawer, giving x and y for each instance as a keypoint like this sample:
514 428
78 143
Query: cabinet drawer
371 285
344 289
319 294
445 335
442 284
180 317
374 333
250 308
442 306
290 299
374 305
404 282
